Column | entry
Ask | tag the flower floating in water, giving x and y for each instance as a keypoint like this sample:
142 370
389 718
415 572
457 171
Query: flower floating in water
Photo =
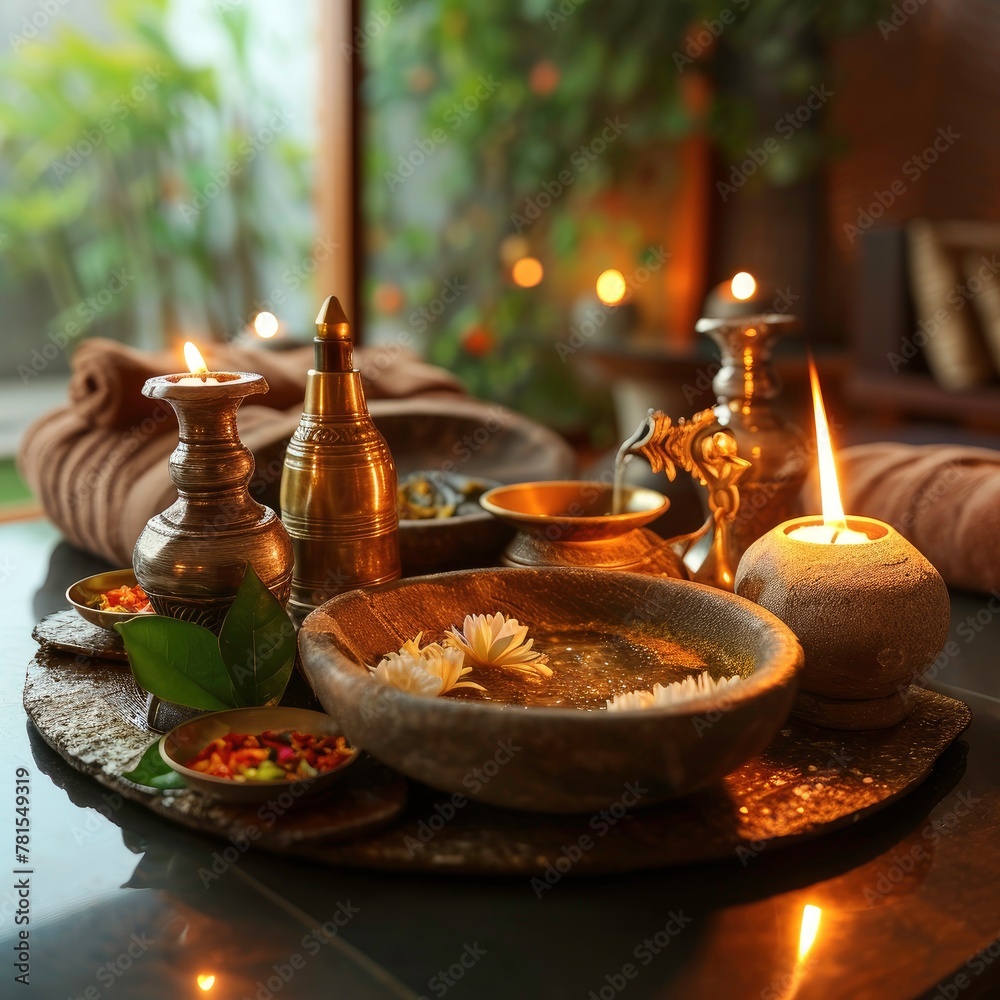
498 641
428 672
663 695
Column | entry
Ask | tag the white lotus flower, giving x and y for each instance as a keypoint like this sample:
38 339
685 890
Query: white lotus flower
407 673
428 672
498 641
663 695
446 664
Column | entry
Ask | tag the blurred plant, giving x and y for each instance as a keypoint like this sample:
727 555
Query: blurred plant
119 156
557 72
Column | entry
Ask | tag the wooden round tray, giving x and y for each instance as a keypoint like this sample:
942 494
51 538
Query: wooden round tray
809 781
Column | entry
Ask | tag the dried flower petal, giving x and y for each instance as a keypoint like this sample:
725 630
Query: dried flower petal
498 641
671 694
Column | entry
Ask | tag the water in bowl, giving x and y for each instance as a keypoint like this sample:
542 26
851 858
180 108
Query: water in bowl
588 668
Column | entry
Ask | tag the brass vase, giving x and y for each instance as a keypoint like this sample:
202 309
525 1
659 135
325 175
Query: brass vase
191 558
338 487
777 452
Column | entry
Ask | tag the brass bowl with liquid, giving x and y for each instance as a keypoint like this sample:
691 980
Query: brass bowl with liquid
570 523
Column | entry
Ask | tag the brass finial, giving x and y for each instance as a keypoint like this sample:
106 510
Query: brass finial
334 340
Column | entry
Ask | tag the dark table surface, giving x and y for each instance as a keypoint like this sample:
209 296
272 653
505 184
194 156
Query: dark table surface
124 905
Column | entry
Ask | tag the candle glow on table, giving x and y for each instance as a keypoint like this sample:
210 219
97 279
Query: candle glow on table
197 367
834 529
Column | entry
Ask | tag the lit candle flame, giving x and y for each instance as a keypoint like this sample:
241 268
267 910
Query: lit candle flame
265 325
743 285
194 360
810 928
833 508
205 983
611 286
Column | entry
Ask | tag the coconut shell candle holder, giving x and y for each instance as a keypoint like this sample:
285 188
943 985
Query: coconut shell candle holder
871 617
190 559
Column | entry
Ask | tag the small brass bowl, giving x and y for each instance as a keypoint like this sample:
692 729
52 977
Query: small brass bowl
189 738
568 522
83 593
573 510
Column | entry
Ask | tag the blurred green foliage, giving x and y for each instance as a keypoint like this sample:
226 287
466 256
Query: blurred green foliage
561 68
117 156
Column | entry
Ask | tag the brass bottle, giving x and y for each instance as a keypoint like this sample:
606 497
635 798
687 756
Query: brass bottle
338 487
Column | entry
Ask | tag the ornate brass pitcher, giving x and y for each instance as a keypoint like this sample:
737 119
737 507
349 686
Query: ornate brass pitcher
579 523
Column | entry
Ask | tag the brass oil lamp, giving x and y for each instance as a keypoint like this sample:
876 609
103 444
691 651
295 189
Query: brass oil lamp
190 559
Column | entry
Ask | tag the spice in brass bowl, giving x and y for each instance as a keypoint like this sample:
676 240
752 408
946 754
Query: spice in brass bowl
442 526
185 745
108 598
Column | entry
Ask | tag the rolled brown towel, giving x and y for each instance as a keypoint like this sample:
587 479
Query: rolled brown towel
100 483
106 384
944 498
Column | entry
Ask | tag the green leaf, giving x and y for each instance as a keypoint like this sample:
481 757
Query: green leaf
257 643
154 771
178 661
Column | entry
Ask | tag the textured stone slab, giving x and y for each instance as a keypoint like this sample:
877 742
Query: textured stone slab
807 782
94 715
67 631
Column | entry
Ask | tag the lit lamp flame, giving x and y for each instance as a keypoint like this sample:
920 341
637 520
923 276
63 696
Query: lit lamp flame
265 325
810 928
833 508
194 360
743 286
611 286
205 982
834 529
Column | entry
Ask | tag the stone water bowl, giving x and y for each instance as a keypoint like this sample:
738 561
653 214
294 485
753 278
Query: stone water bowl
606 632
